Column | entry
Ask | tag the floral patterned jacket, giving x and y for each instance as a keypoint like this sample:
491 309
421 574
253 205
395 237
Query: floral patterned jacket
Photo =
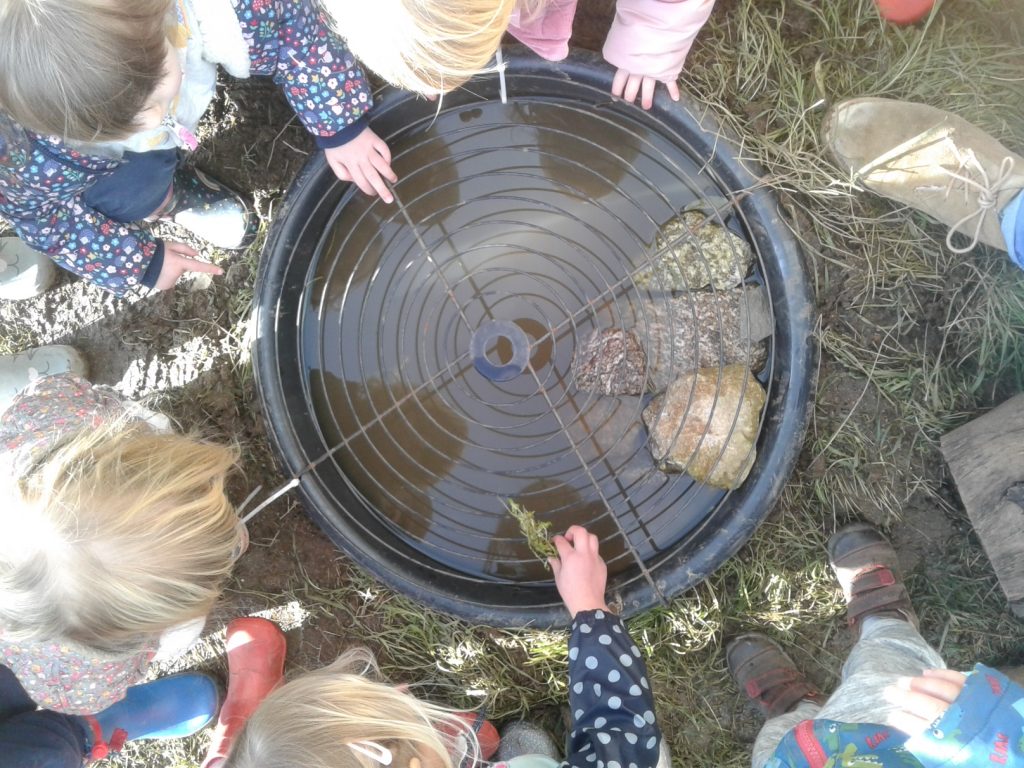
60 674
42 178
983 727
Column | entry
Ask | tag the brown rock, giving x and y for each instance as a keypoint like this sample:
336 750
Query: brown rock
611 362
706 423
704 330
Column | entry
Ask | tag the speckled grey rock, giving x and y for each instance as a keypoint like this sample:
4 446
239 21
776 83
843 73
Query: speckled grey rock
706 423
611 362
703 329
697 253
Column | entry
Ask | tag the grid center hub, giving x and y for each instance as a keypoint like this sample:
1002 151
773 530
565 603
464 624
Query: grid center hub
486 336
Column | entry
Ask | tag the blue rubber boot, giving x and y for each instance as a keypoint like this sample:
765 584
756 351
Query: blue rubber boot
168 708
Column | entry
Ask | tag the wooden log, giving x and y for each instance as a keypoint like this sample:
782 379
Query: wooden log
986 457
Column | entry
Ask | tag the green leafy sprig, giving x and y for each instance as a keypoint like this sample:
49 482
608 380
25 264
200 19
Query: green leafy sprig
537 534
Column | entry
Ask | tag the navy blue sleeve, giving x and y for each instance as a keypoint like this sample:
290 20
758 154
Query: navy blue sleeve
156 264
610 697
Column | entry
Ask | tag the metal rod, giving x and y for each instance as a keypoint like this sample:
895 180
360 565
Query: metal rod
608 293
597 486
429 256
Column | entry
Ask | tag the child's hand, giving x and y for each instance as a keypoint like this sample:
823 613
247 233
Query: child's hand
922 700
364 161
179 259
580 573
626 85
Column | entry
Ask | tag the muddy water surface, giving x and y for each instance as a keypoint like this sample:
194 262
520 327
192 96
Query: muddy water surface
439 340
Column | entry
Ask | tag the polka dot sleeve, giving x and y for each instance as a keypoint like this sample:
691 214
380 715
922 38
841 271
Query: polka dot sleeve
609 696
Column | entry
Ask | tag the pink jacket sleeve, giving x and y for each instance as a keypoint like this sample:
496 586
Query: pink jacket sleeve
546 33
652 37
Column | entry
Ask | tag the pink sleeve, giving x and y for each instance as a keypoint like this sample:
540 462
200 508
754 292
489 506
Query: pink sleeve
547 32
652 37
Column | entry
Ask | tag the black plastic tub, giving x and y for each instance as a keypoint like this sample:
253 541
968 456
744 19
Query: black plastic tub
414 360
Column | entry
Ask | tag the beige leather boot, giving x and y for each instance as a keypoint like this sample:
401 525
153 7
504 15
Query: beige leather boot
930 160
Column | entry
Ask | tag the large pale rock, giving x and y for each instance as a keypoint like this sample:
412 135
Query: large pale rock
696 253
704 329
705 424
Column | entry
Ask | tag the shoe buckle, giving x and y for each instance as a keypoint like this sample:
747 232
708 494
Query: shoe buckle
874 579
100 748
759 686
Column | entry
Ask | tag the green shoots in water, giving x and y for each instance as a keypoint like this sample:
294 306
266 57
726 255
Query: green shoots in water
537 534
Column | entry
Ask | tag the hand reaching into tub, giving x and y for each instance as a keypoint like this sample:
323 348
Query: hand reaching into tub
580 573
366 162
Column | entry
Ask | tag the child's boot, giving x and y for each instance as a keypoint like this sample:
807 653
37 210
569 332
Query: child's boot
867 569
933 161
521 739
486 734
24 271
904 12
256 649
19 370
209 209
769 678
168 708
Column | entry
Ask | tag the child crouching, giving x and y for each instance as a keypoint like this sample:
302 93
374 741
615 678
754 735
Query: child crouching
337 718
343 716
99 99
116 533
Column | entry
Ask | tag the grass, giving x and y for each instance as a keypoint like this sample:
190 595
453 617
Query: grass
915 340
537 534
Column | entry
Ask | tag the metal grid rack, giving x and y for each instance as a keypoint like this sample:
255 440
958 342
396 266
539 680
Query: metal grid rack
419 368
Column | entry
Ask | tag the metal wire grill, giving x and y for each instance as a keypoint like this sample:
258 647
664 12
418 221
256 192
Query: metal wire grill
436 338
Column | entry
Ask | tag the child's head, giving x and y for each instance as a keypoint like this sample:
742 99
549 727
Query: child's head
426 46
115 535
81 69
337 717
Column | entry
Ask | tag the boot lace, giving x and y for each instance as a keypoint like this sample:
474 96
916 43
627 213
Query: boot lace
969 172
986 189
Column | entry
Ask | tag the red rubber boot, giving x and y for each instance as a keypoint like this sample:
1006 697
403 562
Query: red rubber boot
486 733
255 649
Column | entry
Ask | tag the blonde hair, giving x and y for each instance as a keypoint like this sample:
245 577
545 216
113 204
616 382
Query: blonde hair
119 533
81 69
311 721
426 46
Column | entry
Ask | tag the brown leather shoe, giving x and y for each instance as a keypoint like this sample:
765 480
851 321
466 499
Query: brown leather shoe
867 569
769 678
